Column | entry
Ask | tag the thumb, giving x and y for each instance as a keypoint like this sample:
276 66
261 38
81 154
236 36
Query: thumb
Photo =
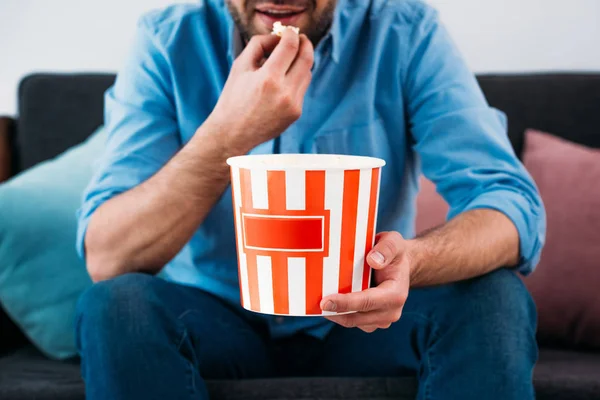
389 246
258 48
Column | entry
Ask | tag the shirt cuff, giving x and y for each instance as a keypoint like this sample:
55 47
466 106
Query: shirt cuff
84 214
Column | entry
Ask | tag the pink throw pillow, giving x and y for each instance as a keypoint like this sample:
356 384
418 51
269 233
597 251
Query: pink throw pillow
566 282
431 207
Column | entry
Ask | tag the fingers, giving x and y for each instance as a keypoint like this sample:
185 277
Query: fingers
368 328
377 308
285 52
304 61
259 47
364 301
381 306
388 295
367 321
382 297
388 247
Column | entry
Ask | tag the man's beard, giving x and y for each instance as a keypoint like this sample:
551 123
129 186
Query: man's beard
317 27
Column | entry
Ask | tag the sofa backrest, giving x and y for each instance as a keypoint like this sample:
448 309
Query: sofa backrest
566 105
57 111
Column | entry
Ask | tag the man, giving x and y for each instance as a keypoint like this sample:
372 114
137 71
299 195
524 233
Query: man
384 80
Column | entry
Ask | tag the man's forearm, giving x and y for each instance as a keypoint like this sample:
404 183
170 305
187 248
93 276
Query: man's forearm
472 244
144 228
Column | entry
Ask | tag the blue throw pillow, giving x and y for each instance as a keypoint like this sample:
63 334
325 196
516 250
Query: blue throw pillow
41 275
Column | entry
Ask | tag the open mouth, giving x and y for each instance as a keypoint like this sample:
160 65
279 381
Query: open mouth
286 14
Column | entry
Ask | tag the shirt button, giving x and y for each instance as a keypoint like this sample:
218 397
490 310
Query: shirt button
279 320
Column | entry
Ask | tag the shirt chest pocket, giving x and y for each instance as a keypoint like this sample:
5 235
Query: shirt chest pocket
368 139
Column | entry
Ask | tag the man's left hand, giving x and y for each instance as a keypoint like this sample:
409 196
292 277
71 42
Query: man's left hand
380 306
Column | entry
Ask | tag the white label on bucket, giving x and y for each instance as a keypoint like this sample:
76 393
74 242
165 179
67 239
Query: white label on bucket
362 220
334 192
297 285
265 284
260 193
295 188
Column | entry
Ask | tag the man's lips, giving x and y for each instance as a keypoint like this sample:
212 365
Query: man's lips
279 9
286 14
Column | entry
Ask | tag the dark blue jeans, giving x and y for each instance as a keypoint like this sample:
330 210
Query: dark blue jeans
143 338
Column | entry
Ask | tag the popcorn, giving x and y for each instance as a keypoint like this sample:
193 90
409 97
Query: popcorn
279 28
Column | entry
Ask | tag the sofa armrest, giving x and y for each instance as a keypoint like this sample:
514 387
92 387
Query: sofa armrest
7 134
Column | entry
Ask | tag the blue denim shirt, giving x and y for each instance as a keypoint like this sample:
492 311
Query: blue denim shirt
387 82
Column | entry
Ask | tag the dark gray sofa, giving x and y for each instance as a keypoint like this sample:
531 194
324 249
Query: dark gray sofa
59 111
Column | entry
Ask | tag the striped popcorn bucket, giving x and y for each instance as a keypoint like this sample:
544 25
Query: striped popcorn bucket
304 223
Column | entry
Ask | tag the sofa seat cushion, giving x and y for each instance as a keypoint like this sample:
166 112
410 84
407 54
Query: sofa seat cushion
568 375
559 375
27 374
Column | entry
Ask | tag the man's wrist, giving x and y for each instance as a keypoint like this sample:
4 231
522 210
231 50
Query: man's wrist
224 136
417 254
201 160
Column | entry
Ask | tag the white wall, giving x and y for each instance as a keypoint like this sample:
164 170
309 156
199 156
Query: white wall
494 35
525 35
64 35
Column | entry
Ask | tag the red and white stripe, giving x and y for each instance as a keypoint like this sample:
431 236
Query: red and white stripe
302 235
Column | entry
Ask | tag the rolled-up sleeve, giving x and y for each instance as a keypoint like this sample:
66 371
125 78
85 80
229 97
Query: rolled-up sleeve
462 143
142 130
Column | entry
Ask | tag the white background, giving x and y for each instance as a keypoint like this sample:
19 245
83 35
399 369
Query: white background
494 35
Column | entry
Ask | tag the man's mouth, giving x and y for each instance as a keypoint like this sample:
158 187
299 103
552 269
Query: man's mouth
287 14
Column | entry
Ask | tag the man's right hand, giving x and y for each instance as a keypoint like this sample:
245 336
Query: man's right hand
145 227
265 90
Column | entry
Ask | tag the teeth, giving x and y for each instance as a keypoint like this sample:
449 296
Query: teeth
279 12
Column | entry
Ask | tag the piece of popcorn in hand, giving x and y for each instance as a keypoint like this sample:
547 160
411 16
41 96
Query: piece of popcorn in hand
279 28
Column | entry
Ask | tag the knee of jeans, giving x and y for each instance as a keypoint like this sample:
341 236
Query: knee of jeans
498 304
109 306
501 293
499 322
